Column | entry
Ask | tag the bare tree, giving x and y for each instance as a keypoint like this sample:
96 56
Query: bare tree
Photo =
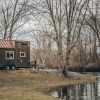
65 18
75 15
56 14
12 14
93 21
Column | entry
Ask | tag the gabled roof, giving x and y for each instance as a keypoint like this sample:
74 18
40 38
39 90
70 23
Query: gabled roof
7 44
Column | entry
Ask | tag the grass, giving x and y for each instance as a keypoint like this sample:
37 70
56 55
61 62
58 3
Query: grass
34 85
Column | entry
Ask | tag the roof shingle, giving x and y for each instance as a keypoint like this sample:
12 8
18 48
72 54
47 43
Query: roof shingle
7 44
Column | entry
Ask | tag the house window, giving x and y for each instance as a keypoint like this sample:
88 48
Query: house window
9 54
22 54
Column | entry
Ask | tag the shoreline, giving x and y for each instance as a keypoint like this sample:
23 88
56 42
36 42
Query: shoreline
35 84
83 79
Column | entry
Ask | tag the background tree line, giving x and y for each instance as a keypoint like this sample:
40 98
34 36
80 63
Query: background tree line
62 32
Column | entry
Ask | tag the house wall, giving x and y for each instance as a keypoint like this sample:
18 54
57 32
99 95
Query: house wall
3 60
22 47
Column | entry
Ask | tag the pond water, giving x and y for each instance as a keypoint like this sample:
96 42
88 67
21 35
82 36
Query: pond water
79 92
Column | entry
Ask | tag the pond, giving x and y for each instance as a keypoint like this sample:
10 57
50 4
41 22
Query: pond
79 92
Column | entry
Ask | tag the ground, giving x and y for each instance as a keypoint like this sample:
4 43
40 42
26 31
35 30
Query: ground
35 85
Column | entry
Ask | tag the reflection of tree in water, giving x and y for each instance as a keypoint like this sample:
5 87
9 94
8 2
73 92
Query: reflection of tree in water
79 92
64 93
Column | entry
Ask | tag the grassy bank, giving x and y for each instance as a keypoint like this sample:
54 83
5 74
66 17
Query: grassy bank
33 85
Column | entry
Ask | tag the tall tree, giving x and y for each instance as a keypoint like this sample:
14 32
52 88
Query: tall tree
66 19
93 21
55 11
12 14
75 15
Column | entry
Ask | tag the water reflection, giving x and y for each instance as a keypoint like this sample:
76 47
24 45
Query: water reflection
61 93
79 92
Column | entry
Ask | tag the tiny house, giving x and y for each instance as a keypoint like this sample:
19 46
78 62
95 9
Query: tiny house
14 54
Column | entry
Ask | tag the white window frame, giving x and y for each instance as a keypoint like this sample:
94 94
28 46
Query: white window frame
12 52
23 53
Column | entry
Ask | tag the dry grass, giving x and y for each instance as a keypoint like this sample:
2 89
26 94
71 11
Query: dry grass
33 85
22 93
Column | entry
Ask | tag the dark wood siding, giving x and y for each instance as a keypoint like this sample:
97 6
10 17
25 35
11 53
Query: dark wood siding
23 47
3 60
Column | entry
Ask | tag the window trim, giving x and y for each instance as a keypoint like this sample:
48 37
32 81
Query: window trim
23 53
9 52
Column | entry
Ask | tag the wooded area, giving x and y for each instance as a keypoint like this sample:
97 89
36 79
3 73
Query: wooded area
62 32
